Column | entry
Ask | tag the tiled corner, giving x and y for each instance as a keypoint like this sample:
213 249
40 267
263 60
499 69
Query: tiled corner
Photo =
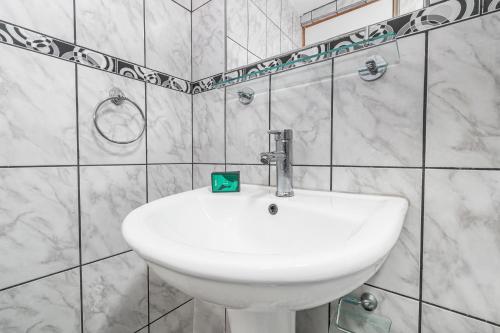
169 126
168 36
179 321
38 222
257 31
462 115
107 195
163 298
115 295
301 100
208 37
460 240
116 28
168 179
208 127
312 320
202 172
380 122
119 122
247 125
436 320
401 271
55 17
208 318
51 304
251 174
403 312
28 101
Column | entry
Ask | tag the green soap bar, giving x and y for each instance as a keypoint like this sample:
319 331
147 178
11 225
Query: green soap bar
226 181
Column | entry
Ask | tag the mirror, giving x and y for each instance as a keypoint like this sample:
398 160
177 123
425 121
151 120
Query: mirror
261 29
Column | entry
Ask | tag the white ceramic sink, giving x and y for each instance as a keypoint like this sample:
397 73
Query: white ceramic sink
226 248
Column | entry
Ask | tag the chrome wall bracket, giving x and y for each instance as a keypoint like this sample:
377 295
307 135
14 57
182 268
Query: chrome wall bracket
375 68
367 301
246 95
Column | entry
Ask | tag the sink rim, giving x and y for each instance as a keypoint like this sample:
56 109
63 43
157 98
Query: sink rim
269 268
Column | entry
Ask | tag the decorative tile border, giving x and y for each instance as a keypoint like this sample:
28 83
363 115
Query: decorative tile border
491 6
437 15
24 38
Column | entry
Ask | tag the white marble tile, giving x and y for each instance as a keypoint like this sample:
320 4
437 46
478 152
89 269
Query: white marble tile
115 27
38 222
236 55
53 18
163 298
312 320
296 31
464 79
247 125
178 321
208 318
208 40
436 320
202 172
115 295
51 304
274 11
402 311
286 18
307 177
168 179
401 271
252 174
380 122
408 6
168 38
256 30
107 195
237 21
121 122
285 44
273 40
461 238
169 126
144 330
301 100
208 127
28 82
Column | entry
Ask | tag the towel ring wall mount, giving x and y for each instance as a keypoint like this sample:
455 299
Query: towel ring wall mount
117 97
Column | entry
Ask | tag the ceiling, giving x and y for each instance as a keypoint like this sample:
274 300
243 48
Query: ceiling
304 6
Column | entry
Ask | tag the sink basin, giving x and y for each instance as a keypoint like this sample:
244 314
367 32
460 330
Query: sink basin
228 249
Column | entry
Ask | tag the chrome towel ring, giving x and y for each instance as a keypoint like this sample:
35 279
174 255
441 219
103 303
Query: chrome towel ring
117 97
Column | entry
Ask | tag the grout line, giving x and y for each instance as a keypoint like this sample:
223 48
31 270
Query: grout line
462 313
332 82
181 5
200 6
166 314
105 258
39 278
78 189
392 292
422 199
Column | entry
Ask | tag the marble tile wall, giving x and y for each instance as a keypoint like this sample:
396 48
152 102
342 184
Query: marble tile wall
64 190
428 131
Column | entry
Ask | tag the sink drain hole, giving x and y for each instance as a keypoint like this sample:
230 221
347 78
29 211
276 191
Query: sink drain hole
273 209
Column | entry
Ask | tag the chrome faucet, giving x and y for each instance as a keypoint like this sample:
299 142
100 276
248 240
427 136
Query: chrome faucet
283 158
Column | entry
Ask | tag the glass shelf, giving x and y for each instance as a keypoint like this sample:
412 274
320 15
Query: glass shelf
374 42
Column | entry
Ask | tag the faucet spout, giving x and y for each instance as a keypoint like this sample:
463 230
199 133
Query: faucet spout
283 158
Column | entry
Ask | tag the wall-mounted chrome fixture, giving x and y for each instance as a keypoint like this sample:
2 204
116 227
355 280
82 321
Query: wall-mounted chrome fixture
375 68
246 95
368 303
117 97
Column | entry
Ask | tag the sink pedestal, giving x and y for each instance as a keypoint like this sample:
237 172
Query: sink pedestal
244 321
